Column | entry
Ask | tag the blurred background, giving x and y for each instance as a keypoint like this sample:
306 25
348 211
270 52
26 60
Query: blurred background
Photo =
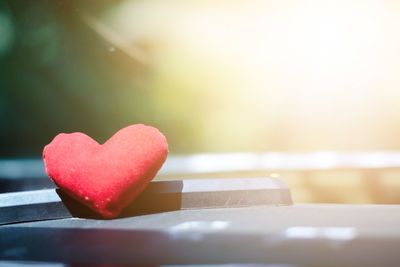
288 77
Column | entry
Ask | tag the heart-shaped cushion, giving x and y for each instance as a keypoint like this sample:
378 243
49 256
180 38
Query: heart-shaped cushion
106 177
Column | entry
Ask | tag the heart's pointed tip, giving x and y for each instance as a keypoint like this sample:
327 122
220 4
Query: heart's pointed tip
107 215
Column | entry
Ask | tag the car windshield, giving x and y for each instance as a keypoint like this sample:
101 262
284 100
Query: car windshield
238 88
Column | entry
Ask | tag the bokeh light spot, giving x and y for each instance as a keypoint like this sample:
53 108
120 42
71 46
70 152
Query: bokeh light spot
6 33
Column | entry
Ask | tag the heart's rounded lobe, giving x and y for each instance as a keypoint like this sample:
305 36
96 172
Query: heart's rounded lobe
106 177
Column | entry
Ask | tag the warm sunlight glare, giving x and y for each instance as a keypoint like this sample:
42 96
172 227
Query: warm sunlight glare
308 74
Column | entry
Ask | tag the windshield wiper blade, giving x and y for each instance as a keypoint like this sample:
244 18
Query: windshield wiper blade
159 196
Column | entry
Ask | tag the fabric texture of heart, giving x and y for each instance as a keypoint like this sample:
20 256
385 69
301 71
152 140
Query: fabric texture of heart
106 177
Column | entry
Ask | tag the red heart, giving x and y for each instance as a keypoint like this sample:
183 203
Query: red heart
106 177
